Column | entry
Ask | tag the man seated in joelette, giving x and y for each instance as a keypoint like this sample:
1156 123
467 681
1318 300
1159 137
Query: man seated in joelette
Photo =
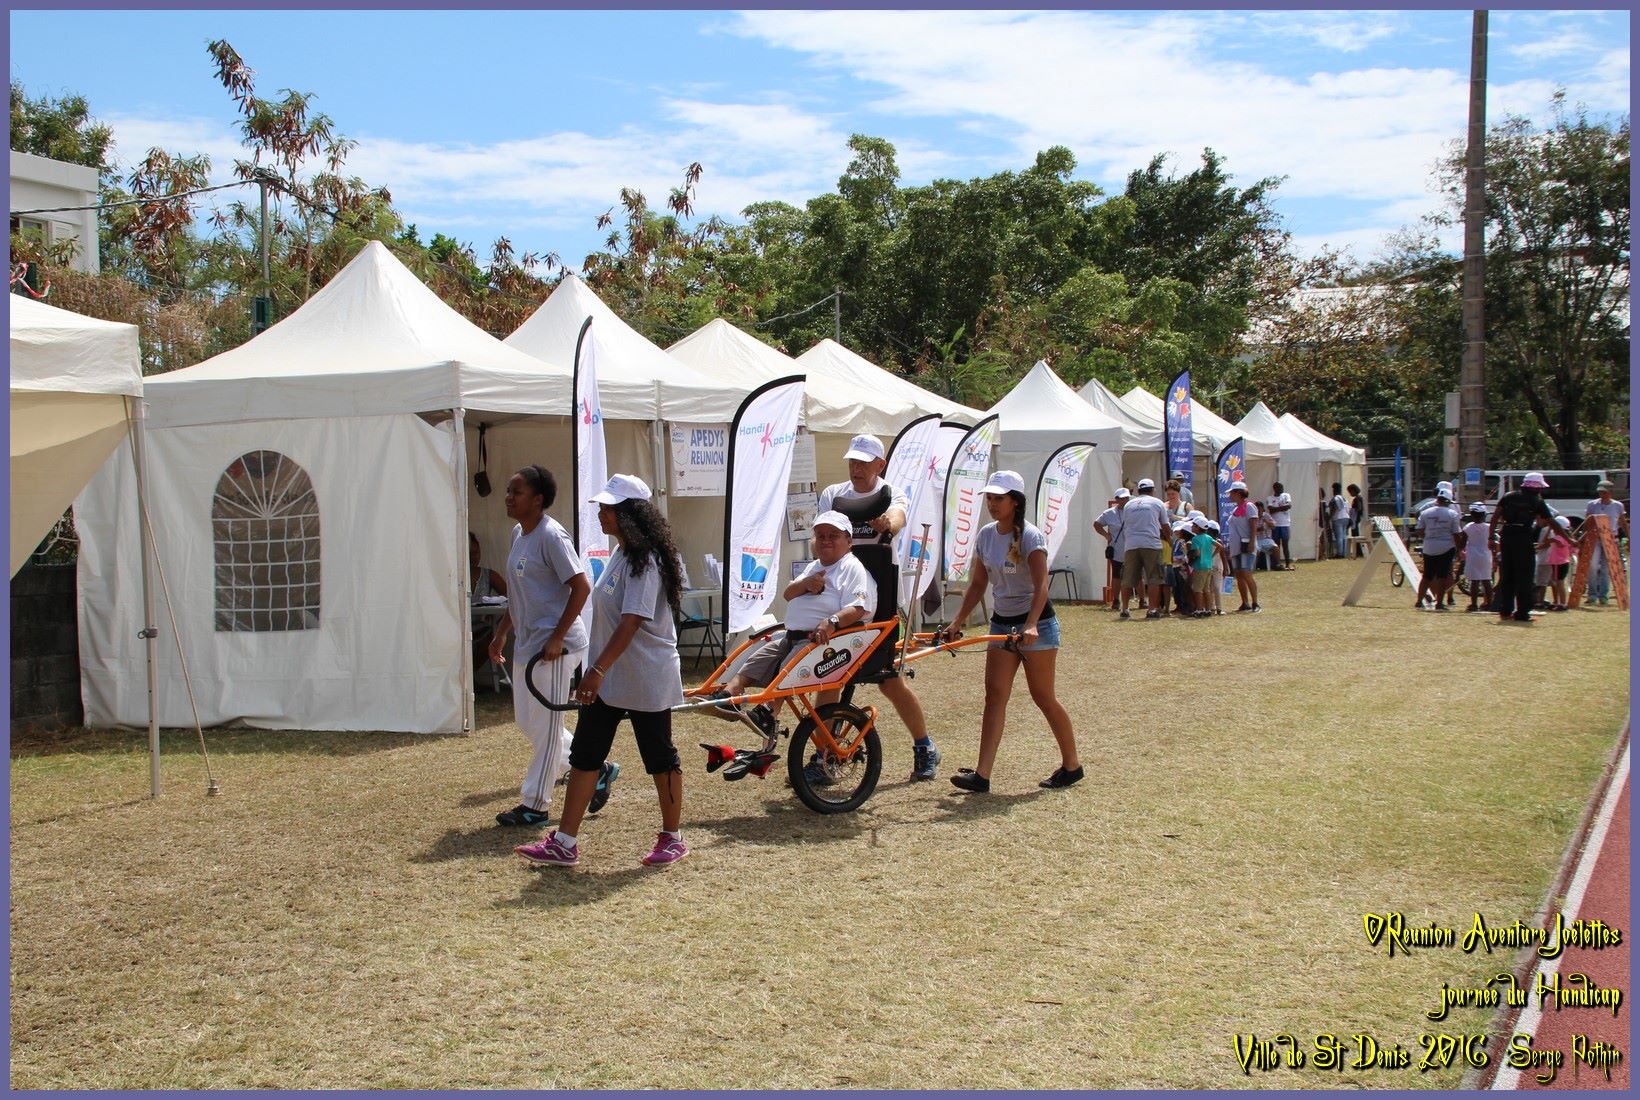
834 592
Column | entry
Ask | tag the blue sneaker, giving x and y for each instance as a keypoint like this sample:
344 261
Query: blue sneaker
816 773
925 760
606 779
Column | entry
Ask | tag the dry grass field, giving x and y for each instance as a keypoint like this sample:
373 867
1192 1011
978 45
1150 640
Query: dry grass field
346 913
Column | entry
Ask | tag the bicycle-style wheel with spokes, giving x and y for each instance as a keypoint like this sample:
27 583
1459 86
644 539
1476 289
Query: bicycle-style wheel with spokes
835 769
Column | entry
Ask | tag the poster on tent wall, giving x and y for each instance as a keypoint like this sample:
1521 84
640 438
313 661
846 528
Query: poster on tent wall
909 461
929 509
591 460
761 439
1232 467
1061 474
1176 426
962 485
700 459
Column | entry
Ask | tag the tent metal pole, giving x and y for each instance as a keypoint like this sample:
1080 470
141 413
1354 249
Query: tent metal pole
138 414
463 587
658 431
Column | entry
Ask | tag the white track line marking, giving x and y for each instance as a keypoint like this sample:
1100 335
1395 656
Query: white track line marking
1508 1076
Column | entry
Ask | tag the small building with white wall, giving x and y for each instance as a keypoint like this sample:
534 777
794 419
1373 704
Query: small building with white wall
40 183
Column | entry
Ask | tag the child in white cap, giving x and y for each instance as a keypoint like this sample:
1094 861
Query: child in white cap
1477 558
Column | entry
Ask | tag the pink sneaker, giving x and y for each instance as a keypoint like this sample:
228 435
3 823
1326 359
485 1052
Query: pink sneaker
549 852
668 849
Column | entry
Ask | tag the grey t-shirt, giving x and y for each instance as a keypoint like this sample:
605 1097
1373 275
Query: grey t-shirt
1142 523
1440 527
1612 509
646 676
1011 587
541 563
1112 519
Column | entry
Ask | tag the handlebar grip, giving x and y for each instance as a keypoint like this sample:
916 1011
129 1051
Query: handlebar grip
529 682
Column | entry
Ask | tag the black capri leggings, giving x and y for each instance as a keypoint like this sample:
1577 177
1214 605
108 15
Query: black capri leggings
595 733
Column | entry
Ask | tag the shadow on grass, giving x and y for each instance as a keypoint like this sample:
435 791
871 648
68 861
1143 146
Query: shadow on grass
560 887
962 806
219 742
79 812
487 797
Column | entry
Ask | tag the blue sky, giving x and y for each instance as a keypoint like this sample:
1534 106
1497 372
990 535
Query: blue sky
528 124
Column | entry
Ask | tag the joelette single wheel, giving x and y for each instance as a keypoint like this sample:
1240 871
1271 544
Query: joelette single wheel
837 774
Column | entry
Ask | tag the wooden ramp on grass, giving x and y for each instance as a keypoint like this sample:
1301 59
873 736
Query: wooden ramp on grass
1389 547
1597 532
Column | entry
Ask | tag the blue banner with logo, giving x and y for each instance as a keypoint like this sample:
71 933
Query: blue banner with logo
1232 467
1176 428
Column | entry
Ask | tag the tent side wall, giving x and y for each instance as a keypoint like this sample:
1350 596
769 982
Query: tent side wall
1082 552
386 650
58 441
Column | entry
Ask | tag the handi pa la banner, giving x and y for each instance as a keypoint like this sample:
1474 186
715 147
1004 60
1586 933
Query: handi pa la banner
760 462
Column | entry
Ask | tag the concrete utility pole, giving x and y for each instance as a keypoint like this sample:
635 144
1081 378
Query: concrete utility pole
1472 377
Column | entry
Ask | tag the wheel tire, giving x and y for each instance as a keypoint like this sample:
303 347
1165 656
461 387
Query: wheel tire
1396 577
856 780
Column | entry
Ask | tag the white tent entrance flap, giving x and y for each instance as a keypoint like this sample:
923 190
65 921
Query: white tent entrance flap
296 579
1388 547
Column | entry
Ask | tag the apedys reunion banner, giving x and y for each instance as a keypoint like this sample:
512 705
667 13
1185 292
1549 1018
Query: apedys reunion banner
969 468
1176 428
591 460
1054 489
760 461
910 459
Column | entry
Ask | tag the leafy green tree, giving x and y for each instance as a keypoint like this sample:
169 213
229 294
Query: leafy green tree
61 129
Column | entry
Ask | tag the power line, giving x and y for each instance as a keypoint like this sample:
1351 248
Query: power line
796 313
131 202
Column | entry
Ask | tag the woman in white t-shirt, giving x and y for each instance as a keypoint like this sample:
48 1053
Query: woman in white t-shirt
546 595
1011 557
634 673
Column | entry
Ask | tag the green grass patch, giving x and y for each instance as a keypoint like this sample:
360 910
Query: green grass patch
346 914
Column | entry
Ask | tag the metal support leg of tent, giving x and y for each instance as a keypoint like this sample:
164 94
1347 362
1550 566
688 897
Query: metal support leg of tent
463 593
658 431
138 413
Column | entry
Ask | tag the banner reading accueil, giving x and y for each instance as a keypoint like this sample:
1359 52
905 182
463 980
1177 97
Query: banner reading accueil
1176 427
969 467
760 462
1054 489
1232 467
908 470
591 460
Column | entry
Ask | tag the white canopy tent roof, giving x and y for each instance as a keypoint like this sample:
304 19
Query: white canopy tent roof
723 352
71 377
847 392
628 363
1334 450
1037 417
373 341
1140 431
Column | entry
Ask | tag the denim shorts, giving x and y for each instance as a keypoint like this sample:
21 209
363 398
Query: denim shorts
1242 563
1047 634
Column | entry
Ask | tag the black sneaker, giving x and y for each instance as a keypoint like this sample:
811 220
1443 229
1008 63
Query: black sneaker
520 816
606 779
970 780
1062 778
763 718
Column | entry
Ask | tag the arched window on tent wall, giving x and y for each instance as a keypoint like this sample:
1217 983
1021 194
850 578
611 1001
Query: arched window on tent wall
265 524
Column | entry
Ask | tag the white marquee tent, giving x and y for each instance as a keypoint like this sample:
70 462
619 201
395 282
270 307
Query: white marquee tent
1212 434
73 379
310 517
1303 466
1037 417
1341 462
1142 436
848 393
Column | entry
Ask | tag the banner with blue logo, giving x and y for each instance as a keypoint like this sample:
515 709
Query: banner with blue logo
1061 474
591 460
969 468
761 439
1180 444
1232 467
911 470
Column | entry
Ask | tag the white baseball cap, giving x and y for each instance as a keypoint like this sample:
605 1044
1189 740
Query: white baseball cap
1178 474
1003 482
622 487
1443 492
833 519
1121 494
1563 523
1242 485
865 448
1443 486
1211 525
1196 514
1146 483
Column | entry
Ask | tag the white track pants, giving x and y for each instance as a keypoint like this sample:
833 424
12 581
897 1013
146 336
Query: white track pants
545 728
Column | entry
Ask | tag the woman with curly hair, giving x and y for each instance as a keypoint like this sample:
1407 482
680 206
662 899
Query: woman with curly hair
634 673
1011 556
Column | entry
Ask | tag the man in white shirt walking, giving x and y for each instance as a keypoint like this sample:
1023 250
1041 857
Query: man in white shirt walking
1280 506
1146 528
